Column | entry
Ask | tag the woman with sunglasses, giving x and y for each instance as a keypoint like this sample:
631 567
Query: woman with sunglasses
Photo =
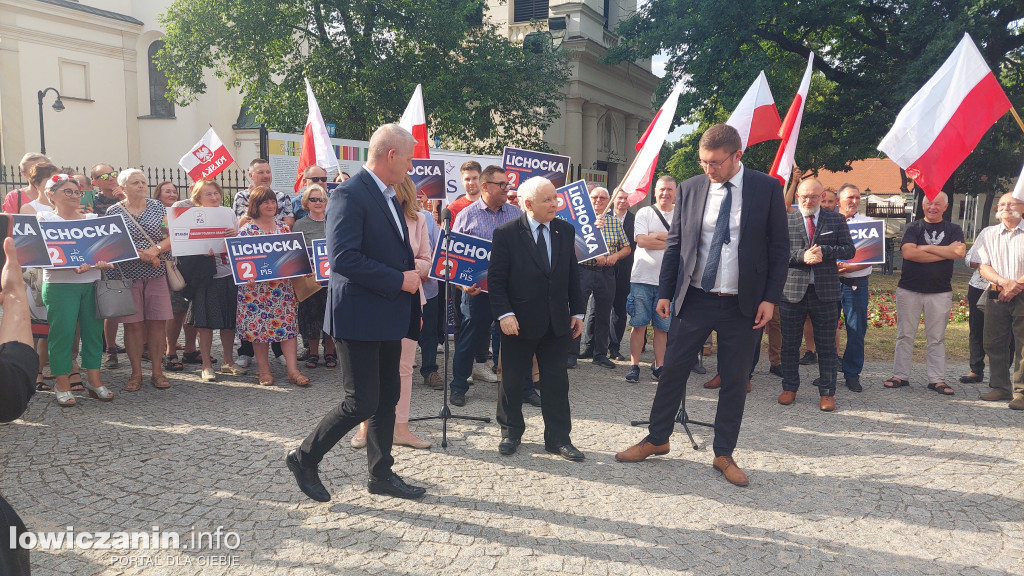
70 300
311 310
266 310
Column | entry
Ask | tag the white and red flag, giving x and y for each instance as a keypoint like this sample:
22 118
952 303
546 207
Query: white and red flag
414 119
637 180
946 119
316 142
1018 190
782 167
756 118
207 158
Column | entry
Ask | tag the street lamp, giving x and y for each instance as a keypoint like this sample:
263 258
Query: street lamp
58 106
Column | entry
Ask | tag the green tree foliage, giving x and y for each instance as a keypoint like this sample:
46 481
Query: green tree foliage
363 60
871 56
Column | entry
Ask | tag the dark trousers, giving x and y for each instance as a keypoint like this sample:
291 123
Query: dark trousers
428 337
516 366
369 376
701 314
824 318
245 349
855 315
475 332
618 320
1004 331
600 284
456 310
976 323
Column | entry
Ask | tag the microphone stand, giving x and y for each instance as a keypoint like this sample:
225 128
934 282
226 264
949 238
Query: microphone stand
446 414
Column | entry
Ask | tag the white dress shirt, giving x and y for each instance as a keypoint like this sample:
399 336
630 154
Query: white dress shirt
388 193
728 279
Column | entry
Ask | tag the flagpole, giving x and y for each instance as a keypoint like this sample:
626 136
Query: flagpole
1017 117
630 169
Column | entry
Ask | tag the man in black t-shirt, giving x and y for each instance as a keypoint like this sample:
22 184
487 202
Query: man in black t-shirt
929 248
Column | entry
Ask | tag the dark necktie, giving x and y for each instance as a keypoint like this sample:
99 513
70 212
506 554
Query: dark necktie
810 229
707 281
542 245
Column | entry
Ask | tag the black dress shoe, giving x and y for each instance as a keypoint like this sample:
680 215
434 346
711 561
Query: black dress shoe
570 363
508 446
533 399
808 358
603 361
393 485
777 370
853 383
457 398
616 355
586 354
307 478
567 451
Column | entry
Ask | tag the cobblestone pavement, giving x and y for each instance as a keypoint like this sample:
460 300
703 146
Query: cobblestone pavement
895 482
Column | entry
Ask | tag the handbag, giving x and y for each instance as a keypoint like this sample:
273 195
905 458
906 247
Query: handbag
304 287
114 297
175 281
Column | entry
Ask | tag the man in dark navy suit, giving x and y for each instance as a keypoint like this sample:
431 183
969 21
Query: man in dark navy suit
372 304
724 268
534 283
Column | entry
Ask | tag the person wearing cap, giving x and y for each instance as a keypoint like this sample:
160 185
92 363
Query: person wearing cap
70 299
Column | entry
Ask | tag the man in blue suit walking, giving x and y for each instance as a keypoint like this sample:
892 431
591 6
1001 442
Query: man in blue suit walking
372 305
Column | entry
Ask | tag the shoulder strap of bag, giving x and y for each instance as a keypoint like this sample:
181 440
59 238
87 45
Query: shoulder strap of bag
662 218
137 225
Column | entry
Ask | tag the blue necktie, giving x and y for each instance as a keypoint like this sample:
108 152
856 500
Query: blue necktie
707 282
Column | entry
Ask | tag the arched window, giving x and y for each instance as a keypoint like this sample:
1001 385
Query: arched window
159 105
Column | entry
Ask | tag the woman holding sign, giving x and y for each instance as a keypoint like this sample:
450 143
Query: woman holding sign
311 310
214 304
146 220
420 243
70 299
266 310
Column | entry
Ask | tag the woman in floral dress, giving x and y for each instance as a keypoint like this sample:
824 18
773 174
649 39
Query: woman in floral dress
267 310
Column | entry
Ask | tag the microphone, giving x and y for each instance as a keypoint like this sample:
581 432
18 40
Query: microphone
446 219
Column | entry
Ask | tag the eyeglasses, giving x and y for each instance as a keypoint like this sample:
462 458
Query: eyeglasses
320 179
317 200
596 198
107 176
513 196
502 185
715 165
73 192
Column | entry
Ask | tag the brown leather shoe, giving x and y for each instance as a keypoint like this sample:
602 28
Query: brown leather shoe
996 395
714 382
828 403
1017 403
641 451
787 397
727 466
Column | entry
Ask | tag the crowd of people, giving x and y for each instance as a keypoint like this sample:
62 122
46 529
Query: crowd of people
706 245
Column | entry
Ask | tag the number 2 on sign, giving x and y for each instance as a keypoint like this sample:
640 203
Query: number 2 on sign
56 256
246 270
325 268
513 179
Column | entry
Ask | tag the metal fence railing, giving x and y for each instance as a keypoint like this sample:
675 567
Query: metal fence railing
231 181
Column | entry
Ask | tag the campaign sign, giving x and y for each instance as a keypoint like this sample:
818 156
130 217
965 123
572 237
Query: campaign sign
329 187
71 243
321 260
575 207
195 230
869 240
428 177
466 257
521 165
28 240
268 257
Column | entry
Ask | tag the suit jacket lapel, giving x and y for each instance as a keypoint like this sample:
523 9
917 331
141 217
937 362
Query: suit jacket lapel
527 235
556 243
382 203
701 202
748 201
797 227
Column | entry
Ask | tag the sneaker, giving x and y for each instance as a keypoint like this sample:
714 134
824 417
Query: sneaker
440 348
634 374
243 361
656 372
111 361
457 398
304 356
808 358
482 373
434 381
777 370
586 355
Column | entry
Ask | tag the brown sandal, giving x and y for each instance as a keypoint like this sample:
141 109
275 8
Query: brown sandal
266 379
895 382
134 384
942 388
299 379
159 382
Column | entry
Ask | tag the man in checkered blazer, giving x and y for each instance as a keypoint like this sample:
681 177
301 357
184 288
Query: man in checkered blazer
817 239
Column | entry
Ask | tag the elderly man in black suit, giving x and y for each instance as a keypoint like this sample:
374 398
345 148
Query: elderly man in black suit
723 270
373 303
817 239
534 283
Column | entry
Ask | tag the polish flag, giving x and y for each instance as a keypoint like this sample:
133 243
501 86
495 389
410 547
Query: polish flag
637 180
316 143
756 118
414 119
207 158
782 167
947 117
